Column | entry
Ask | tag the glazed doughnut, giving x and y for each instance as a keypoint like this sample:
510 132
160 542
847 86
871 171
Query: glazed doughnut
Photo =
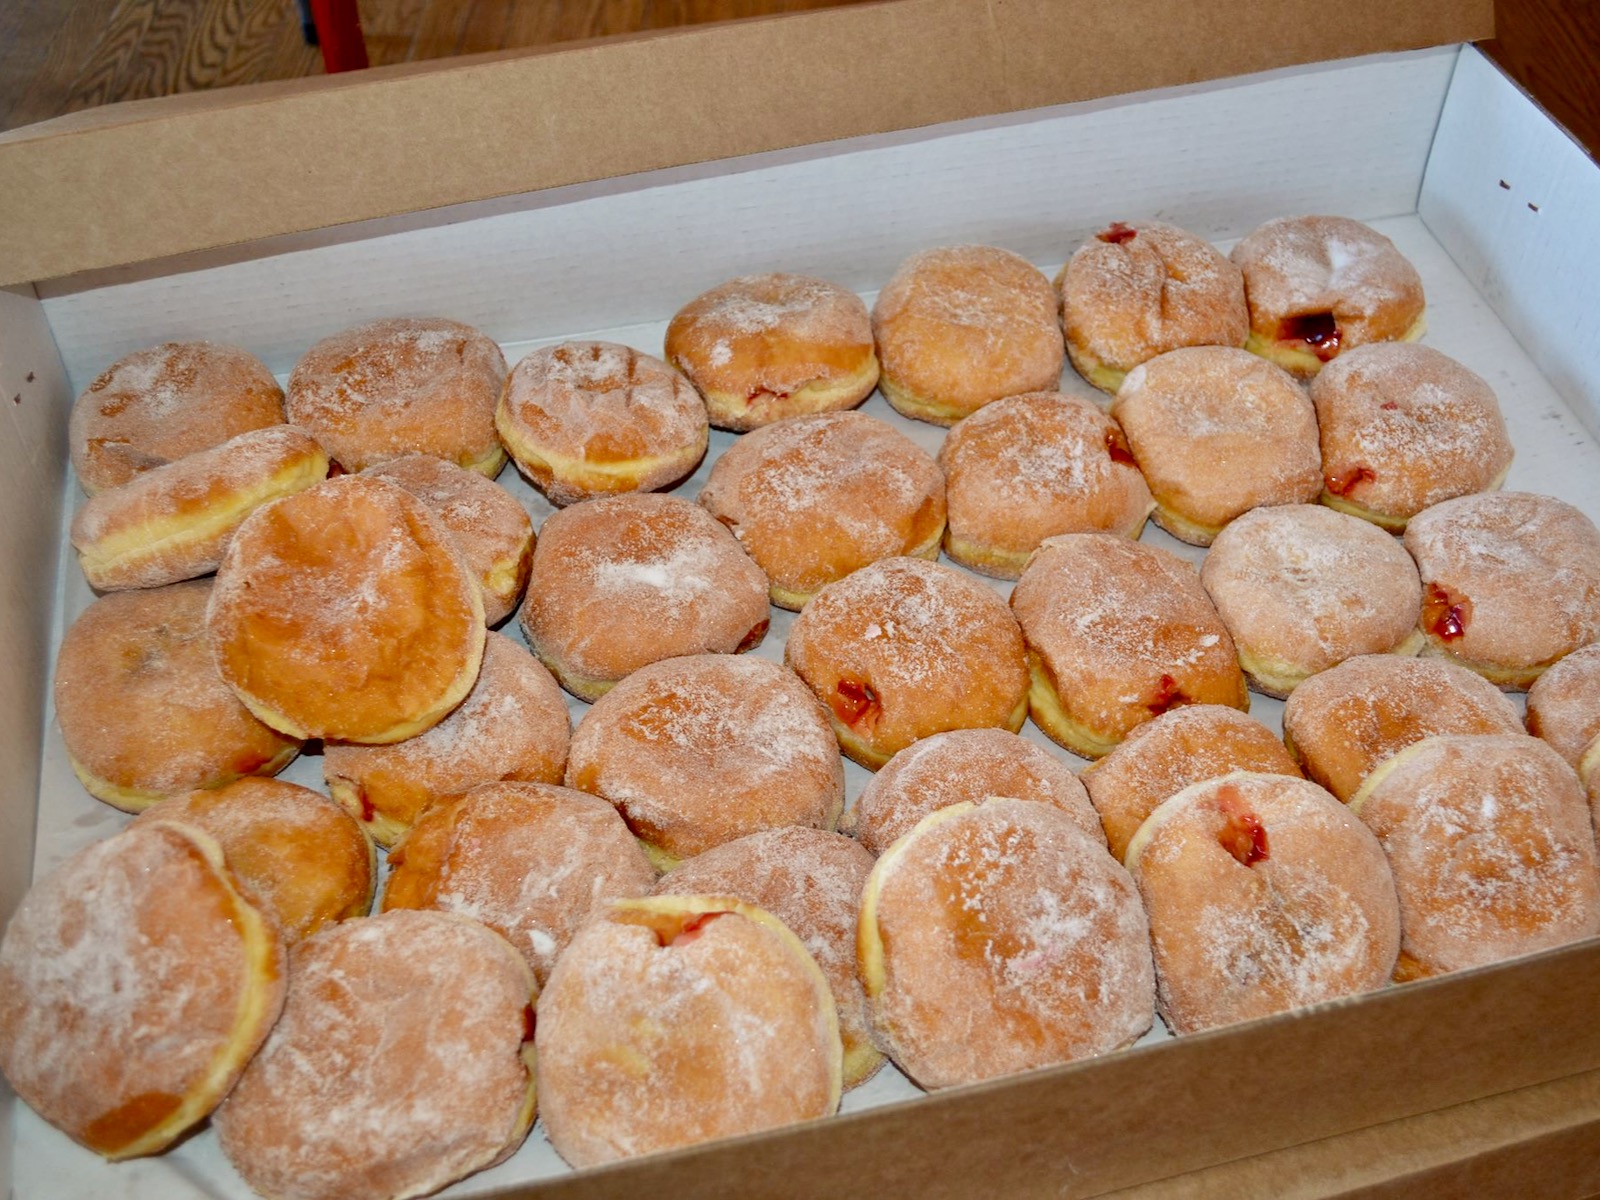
676 1019
625 581
1492 847
421 385
173 522
1564 704
1162 757
906 648
1007 923
140 945
1139 289
1264 894
1029 467
586 419
1511 582
813 498
763 347
964 765
1302 588
513 725
158 405
402 1063
1318 286
960 326
144 713
1403 427
700 750
297 855
1341 724
529 860
345 611
811 880
1118 632
492 530
1216 432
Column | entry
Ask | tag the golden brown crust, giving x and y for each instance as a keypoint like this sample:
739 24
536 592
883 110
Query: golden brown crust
1564 704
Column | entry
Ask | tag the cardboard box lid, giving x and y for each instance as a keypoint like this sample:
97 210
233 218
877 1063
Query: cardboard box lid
156 178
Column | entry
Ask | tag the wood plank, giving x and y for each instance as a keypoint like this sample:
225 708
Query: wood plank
1552 48
439 33
390 28
68 45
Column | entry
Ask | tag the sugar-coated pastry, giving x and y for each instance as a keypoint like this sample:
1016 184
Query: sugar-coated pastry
1160 758
155 406
624 581
958 327
677 1019
586 419
529 860
1403 427
1318 286
512 725
492 530
763 347
700 750
1342 723
402 385
173 522
1564 704
1118 632
1000 937
1029 467
1138 289
1492 846
964 765
1264 894
402 1062
811 880
1217 431
1302 588
345 611
1511 582
135 983
143 710
906 648
813 498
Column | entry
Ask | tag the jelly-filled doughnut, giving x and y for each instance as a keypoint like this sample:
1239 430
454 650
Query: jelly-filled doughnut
905 648
1006 922
1163 756
964 765
1264 894
624 581
402 385
699 750
1511 582
1118 632
1564 704
402 1062
1029 467
155 406
135 983
529 860
1138 289
1302 588
1318 286
960 326
811 880
763 347
813 498
676 1019
142 709
1344 722
1492 847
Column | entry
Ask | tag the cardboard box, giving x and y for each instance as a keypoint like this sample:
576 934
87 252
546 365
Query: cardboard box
592 190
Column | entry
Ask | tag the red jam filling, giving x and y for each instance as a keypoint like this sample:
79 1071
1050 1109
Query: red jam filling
1117 233
1319 331
689 930
756 393
1117 447
1342 483
855 703
1168 695
1444 614
527 1022
1242 834
368 809
753 638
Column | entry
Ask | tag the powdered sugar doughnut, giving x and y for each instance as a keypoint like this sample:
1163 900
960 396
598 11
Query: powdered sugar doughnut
813 498
1028 467
1564 704
1264 894
1006 922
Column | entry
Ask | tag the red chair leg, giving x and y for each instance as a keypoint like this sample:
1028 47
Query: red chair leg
339 34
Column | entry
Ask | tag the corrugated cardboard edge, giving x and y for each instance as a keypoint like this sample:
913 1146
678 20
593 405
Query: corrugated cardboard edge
161 178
